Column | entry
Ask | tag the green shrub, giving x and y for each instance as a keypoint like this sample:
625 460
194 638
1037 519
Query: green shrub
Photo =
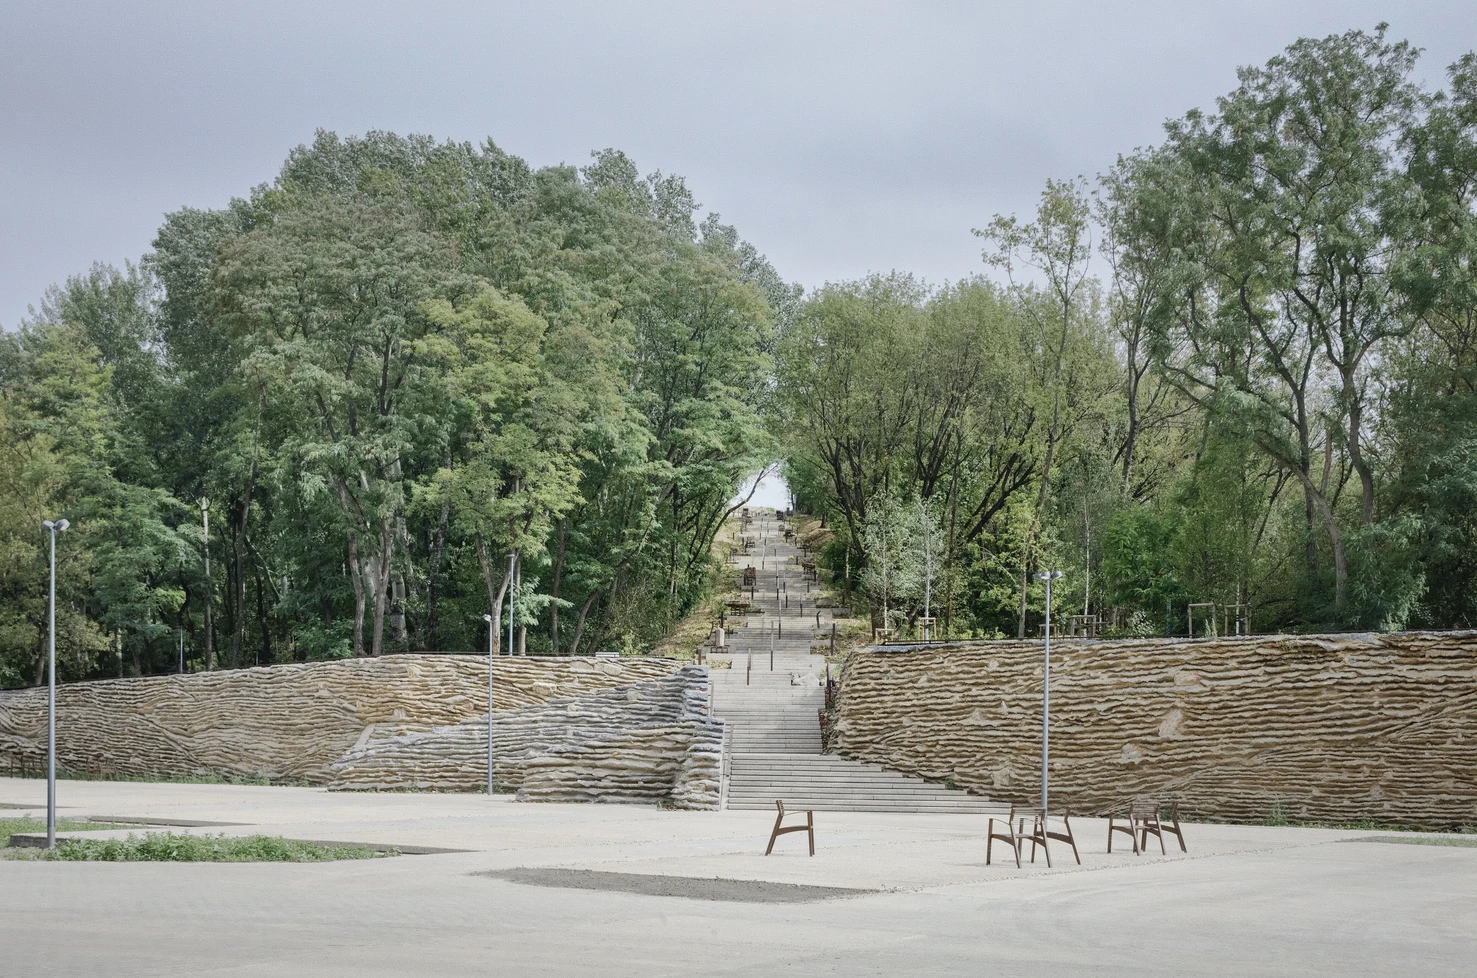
164 847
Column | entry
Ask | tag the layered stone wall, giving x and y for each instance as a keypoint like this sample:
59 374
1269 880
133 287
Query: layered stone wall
1332 727
652 741
290 721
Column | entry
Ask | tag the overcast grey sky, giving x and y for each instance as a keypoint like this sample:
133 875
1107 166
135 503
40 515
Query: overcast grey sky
839 138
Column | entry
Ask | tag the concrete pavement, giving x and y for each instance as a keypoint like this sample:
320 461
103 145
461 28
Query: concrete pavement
1247 901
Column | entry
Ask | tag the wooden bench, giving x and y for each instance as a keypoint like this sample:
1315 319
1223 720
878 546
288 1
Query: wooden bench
1143 821
808 828
1016 834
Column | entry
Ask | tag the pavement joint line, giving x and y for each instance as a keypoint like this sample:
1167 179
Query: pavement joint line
182 823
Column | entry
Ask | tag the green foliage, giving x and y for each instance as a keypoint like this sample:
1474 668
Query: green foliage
1244 373
387 370
1267 406
168 848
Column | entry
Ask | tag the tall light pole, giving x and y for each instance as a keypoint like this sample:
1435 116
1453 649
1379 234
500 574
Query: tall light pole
491 636
54 527
1048 577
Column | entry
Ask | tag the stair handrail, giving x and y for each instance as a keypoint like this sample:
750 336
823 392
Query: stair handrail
725 764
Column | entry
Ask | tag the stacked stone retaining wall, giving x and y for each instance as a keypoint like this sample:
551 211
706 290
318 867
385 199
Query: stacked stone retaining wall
296 721
649 742
1338 728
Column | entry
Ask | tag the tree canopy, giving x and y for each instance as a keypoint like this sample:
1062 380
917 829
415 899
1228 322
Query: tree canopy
415 383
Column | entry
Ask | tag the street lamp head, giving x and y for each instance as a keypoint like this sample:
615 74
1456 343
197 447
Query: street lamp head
1047 575
56 526
487 618
62 524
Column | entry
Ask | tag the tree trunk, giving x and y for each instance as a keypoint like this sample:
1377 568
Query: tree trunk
517 588
1130 438
356 576
1020 628
949 559
495 595
238 635
1317 502
402 585
41 657
261 617
438 549
209 597
554 589
579 625
381 582
1356 457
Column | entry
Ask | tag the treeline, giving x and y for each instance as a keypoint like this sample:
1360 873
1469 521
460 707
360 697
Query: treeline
405 379
1240 369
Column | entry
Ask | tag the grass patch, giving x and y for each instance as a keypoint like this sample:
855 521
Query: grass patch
162 847
1457 841
200 778
27 826
1278 818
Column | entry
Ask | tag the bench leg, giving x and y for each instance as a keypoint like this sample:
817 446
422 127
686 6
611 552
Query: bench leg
775 834
1071 839
1174 816
810 829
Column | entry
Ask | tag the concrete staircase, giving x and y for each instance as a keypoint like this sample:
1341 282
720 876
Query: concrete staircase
771 703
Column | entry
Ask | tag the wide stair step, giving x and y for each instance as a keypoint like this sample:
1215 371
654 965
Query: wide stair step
774 735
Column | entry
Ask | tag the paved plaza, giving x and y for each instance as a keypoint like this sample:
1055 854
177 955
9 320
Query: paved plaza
916 896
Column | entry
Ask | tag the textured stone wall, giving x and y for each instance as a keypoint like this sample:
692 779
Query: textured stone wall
1331 727
652 741
286 721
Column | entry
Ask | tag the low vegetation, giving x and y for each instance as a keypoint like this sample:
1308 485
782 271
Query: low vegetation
27 826
164 847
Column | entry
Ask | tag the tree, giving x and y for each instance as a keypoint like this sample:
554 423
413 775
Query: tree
889 540
1282 209
1057 246
328 304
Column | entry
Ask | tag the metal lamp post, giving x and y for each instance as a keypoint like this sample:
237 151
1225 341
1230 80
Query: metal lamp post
491 637
1048 577
54 527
